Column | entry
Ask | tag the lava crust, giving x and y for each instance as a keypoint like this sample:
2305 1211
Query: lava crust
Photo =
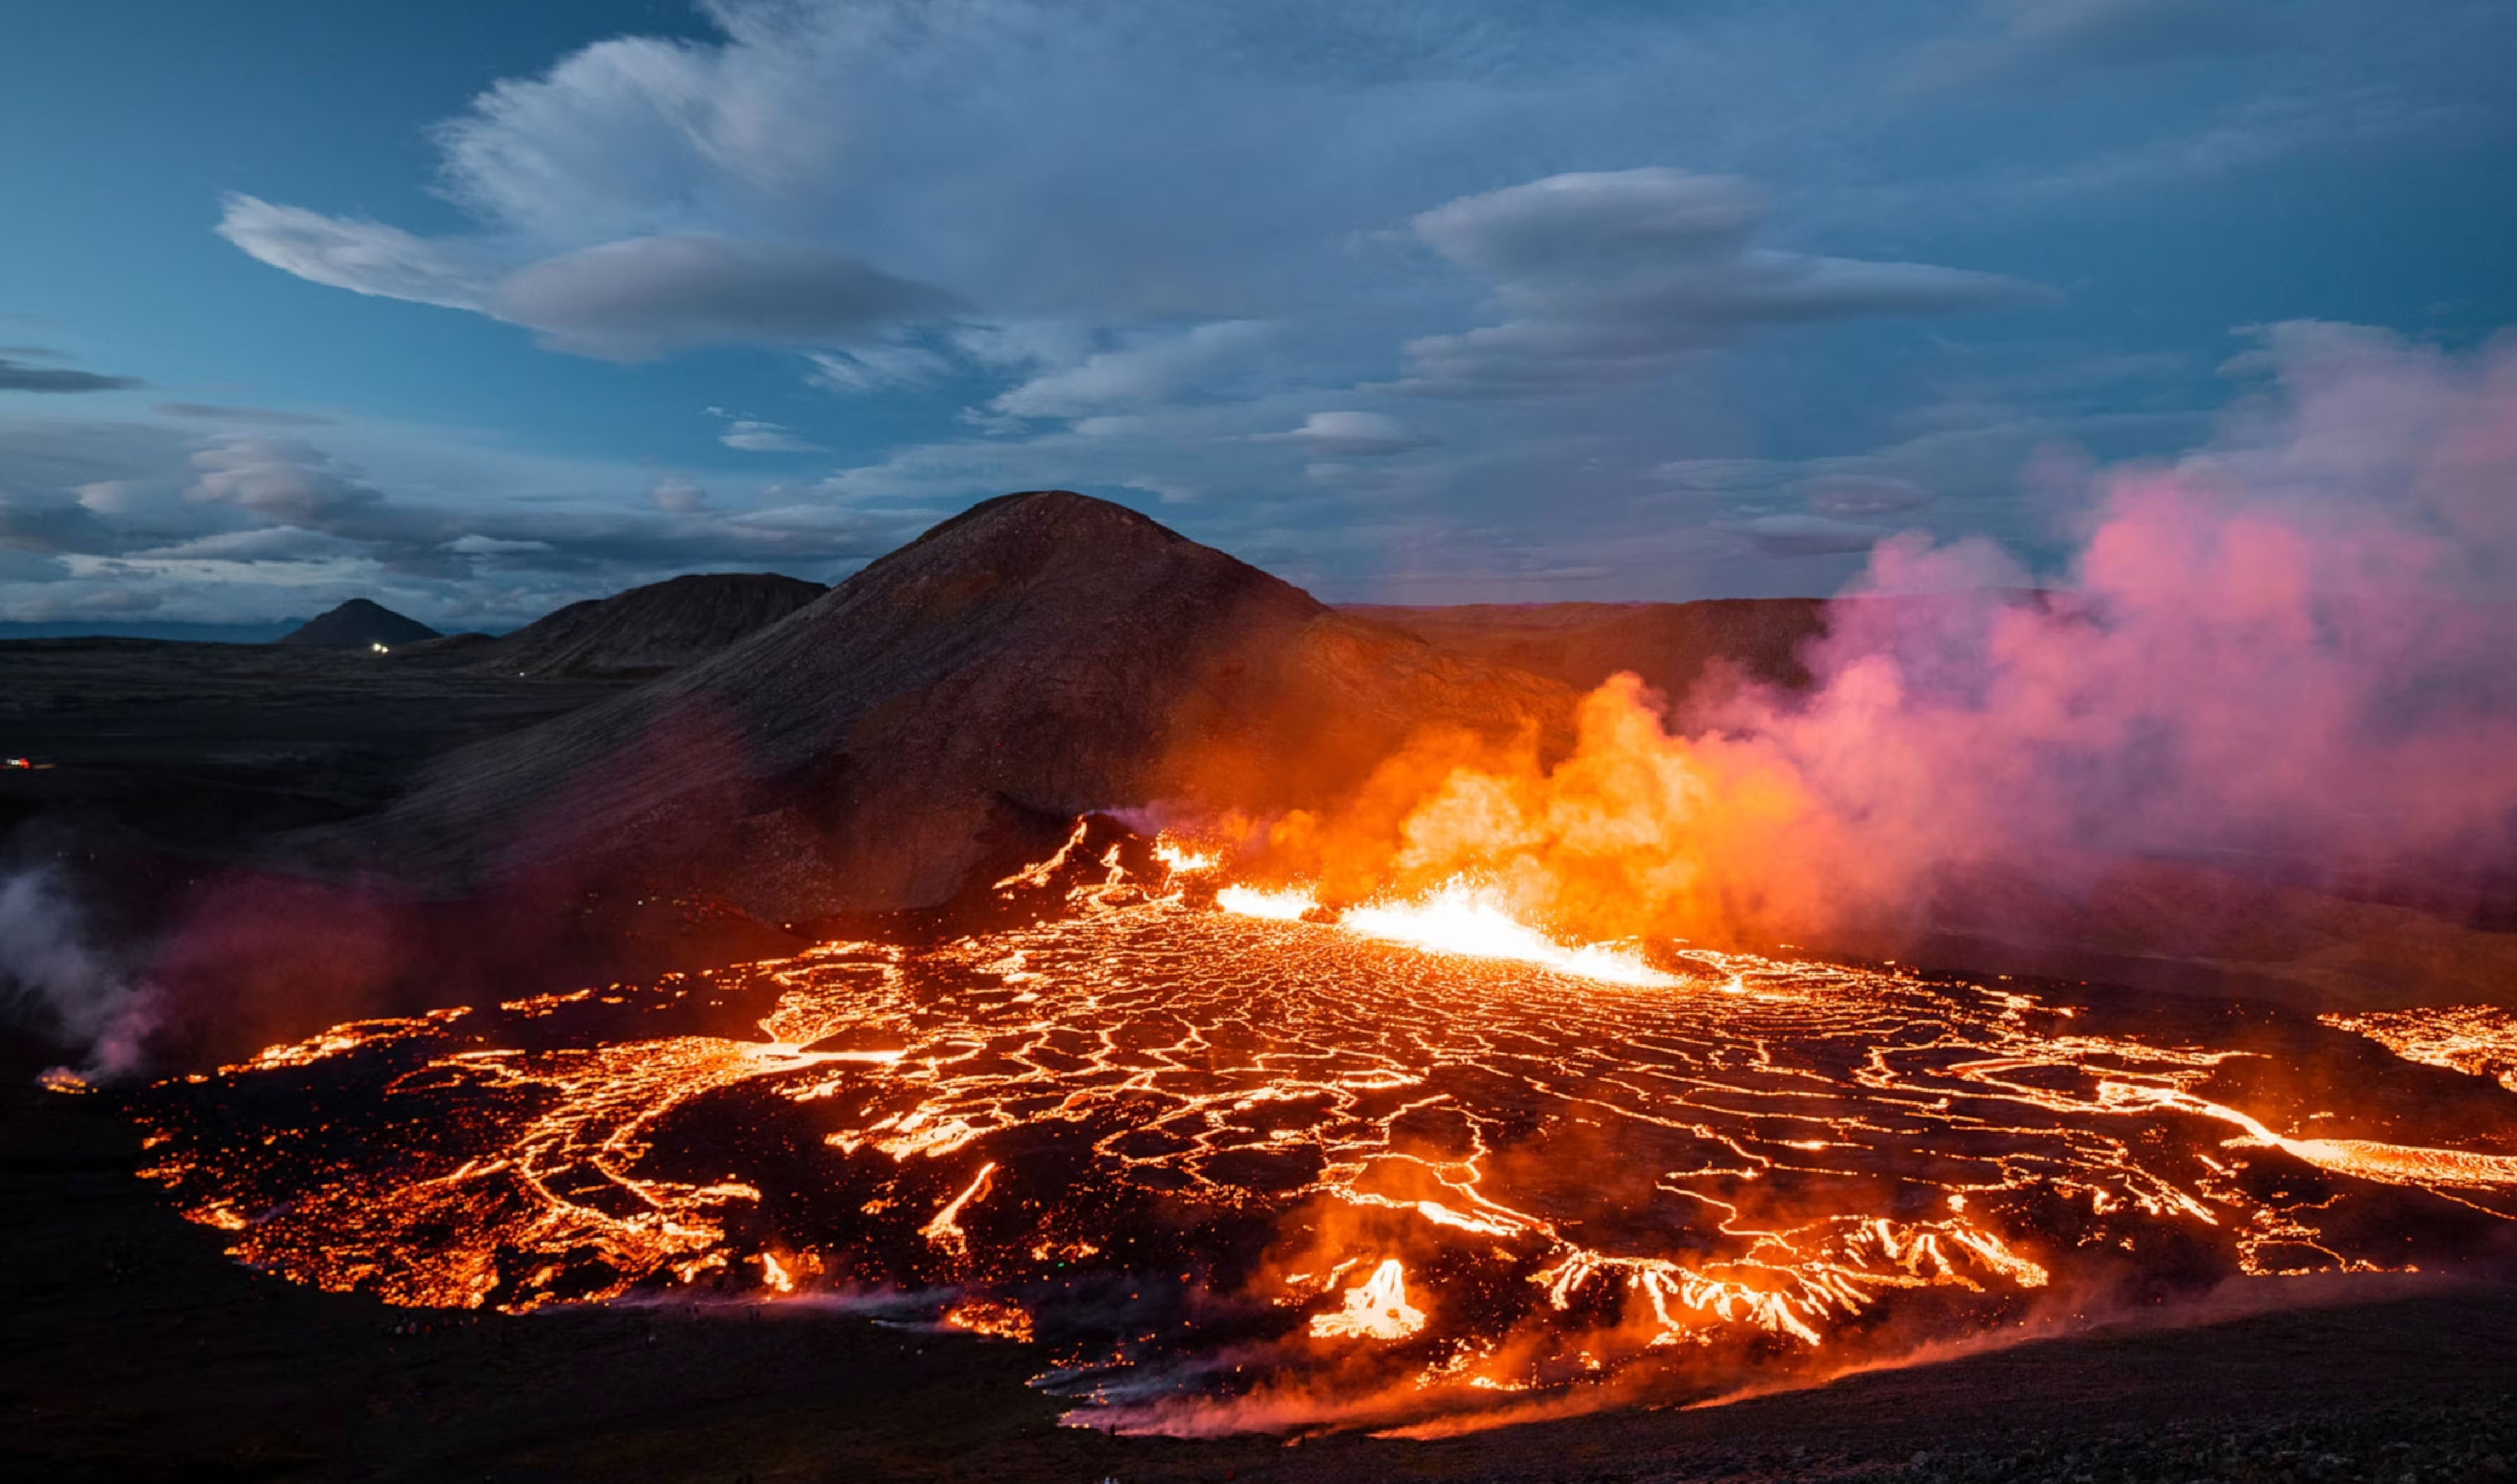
1232 1172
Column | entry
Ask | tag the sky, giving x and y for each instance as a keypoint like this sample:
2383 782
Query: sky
479 308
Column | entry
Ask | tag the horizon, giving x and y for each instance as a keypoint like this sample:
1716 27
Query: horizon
478 312
269 630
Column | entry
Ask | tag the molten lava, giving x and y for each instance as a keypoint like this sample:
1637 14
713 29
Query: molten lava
1376 1308
1464 918
1392 1164
2479 1040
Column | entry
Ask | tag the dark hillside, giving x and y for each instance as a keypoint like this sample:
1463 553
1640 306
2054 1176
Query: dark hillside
649 630
357 625
1038 656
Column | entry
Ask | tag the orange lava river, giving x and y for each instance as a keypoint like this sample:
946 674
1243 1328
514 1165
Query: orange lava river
1234 1171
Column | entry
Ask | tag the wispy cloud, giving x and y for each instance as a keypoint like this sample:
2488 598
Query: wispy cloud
18 376
753 435
267 417
1607 277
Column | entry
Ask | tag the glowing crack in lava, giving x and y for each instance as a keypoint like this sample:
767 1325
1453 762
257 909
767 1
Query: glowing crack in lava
1233 1170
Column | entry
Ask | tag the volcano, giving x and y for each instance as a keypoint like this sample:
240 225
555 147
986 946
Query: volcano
648 630
1053 1045
1040 656
357 624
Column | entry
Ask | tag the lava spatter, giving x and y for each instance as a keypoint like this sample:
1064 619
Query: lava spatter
1390 1180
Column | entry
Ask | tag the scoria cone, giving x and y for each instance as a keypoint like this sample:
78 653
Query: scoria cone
1039 655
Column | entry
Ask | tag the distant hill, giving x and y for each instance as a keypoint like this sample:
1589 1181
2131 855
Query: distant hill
648 630
357 624
186 633
1038 656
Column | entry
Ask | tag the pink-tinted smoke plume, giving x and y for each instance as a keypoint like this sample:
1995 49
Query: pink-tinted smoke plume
2286 657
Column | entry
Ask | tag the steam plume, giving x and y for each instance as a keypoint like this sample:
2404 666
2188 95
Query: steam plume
2284 657
47 965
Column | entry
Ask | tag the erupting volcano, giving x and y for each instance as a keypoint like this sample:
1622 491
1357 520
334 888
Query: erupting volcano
1230 1161
1279 743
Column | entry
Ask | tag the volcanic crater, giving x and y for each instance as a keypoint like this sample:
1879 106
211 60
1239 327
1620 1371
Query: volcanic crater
1016 1022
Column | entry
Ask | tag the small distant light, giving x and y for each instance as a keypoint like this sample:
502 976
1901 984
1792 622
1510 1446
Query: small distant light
380 649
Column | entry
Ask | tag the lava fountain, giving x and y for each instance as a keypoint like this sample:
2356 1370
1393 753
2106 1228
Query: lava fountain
1254 1168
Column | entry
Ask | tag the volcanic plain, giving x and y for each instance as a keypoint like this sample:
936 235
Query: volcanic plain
636 799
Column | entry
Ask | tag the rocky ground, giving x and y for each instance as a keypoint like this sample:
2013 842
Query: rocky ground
131 1349
197 745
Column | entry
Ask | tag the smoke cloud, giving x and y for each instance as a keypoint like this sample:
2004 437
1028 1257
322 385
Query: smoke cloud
2282 658
52 975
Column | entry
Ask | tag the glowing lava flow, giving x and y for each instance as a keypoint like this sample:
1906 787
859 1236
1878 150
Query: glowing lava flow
1460 917
1283 904
1389 1184
2478 1041
1464 918
1376 1308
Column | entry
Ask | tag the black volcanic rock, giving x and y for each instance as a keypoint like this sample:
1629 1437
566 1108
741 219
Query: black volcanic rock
1039 656
356 625
649 630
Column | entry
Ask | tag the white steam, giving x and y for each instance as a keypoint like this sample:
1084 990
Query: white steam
81 993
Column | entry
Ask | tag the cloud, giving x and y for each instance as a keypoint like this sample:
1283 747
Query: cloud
1611 277
29 567
18 376
477 545
868 368
642 297
103 519
363 256
1565 229
1156 370
51 525
1805 536
630 299
1416 198
2030 41
1349 434
267 417
1863 495
261 543
754 437
281 479
677 494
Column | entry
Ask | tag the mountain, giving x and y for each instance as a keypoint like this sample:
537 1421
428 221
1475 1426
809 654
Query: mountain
356 625
1038 656
649 630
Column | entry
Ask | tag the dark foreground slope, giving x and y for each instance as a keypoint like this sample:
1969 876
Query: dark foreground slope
1040 656
648 630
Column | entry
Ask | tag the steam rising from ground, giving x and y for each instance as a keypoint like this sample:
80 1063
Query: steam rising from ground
76 991
2284 656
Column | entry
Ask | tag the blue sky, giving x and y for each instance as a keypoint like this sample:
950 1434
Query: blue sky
479 308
